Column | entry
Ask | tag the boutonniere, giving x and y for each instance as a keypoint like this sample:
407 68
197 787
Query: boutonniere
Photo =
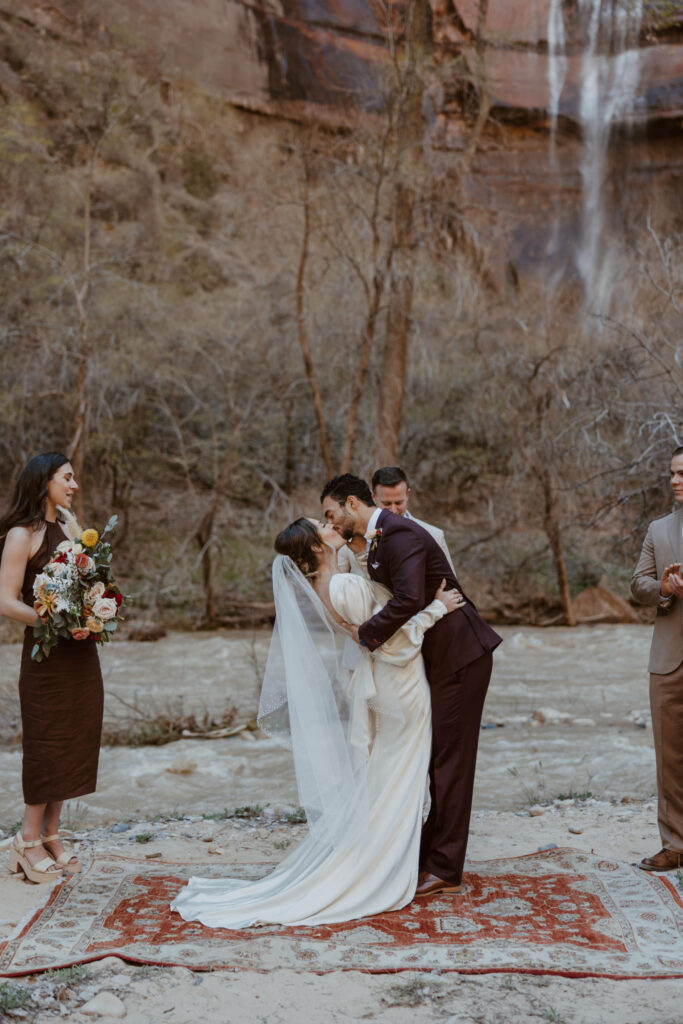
374 538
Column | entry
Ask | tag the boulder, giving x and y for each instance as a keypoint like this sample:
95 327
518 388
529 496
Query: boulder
599 604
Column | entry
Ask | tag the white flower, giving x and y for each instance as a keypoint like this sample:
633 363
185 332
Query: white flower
65 546
62 602
94 592
41 580
104 608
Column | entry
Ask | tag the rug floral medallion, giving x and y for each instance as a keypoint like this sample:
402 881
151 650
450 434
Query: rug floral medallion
557 912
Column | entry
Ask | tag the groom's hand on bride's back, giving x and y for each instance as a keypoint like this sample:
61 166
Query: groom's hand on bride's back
453 599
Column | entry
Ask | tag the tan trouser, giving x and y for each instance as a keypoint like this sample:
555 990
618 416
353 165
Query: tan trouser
666 703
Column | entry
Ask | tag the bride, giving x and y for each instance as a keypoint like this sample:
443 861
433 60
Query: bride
359 726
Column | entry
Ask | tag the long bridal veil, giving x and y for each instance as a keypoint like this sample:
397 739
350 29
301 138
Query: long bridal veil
308 704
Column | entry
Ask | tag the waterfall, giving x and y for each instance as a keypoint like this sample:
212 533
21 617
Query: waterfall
608 77
557 65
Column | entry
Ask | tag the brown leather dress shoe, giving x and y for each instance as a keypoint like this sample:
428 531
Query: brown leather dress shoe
429 885
665 860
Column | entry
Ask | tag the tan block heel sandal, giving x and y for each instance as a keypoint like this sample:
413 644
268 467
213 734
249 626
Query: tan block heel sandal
68 859
46 870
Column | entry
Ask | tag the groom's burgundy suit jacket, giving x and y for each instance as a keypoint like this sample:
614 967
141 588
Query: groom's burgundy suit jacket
408 561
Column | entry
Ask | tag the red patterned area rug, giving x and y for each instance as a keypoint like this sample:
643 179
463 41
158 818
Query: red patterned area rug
558 912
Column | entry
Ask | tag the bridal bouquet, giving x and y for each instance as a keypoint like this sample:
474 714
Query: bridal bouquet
75 594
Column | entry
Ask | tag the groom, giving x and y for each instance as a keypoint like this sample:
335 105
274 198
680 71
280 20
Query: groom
457 656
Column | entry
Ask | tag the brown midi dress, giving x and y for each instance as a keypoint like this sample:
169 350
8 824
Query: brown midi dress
61 705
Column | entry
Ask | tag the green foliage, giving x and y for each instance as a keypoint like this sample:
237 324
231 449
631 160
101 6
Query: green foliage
13 997
68 975
144 837
296 817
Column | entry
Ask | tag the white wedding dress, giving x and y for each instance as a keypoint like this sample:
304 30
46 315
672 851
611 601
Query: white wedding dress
371 864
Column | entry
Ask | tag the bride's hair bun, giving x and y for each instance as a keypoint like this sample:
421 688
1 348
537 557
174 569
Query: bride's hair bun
297 541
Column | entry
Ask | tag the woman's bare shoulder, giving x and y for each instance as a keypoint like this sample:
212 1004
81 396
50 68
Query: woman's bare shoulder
22 541
20 536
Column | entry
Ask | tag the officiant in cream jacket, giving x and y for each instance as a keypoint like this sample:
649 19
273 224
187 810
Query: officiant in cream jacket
391 490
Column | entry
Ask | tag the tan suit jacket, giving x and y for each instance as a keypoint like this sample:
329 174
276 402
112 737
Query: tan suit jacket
663 545
437 534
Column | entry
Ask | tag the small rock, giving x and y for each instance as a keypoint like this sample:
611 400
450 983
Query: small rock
181 767
207 839
153 856
550 715
536 810
119 980
216 850
589 722
575 831
105 964
539 717
122 826
544 849
104 1004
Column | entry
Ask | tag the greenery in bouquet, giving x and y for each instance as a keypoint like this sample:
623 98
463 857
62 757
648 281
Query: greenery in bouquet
76 595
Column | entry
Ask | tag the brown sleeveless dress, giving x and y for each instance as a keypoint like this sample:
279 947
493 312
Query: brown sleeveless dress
61 705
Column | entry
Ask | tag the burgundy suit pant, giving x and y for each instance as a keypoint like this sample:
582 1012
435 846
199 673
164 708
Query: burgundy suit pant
457 705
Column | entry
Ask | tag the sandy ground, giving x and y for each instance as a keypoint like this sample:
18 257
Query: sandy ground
588 685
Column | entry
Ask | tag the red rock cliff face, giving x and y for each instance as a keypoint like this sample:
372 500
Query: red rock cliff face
327 60
332 54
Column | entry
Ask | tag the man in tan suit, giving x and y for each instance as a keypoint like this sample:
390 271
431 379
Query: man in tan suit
391 490
657 580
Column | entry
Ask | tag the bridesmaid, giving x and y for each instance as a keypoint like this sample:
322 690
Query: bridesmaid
61 697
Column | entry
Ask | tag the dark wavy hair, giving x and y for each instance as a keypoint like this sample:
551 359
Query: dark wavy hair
297 541
28 502
389 476
339 488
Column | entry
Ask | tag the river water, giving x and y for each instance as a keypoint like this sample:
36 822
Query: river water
589 684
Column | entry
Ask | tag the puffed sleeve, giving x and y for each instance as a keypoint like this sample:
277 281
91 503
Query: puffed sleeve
352 597
406 644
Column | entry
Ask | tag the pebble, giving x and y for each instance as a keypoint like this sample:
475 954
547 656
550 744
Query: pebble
536 810
122 826
575 831
544 849
104 1004
216 850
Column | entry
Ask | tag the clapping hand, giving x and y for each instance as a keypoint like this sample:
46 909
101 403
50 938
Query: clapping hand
672 581
453 599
